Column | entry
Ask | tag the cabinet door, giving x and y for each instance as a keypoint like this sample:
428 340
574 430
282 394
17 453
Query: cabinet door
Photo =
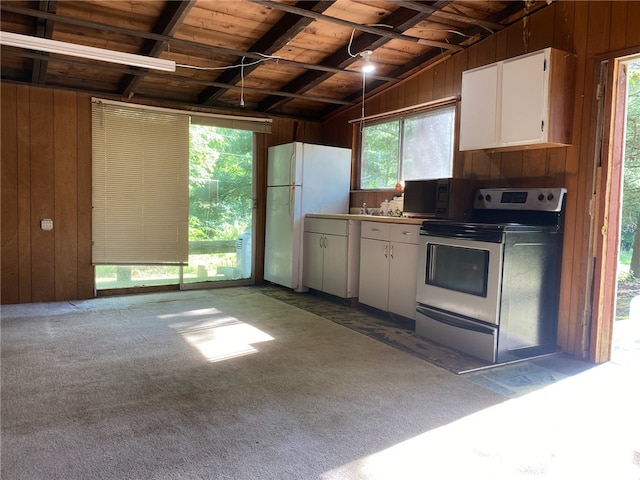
313 253
525 101
334 280
479 108
403 270
374 273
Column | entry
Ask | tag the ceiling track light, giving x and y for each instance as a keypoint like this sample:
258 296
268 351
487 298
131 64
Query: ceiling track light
83 51
368 66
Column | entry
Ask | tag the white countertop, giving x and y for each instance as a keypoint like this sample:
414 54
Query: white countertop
368 218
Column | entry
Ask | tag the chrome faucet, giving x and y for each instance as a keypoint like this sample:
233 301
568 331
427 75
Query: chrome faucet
364 209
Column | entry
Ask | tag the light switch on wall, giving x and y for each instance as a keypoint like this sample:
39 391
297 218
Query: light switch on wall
46 224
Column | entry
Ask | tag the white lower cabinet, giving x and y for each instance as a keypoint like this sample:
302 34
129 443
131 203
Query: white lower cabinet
331 256
388 267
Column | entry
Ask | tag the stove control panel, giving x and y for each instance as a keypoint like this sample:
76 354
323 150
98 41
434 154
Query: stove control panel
535 199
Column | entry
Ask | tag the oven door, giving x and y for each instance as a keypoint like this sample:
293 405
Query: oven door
460 276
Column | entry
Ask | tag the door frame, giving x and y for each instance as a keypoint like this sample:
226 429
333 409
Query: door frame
605 236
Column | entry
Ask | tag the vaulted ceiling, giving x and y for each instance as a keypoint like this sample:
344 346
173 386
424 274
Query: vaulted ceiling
280 57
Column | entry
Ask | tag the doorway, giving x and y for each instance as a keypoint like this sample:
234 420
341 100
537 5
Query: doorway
626 327
221 217
220 205
614 334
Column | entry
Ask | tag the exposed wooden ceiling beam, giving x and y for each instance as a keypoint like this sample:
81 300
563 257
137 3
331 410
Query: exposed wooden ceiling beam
170 20
175 78
44 29
439 14
364 28
173 41
272 41
401 18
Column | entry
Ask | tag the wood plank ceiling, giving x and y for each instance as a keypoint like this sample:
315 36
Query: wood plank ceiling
300 59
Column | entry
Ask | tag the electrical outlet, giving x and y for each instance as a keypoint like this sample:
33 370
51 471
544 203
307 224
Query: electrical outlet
46 224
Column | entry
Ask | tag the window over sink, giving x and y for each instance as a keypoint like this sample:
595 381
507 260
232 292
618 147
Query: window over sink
409 146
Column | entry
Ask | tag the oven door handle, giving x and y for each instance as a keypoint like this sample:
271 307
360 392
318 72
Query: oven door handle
453 321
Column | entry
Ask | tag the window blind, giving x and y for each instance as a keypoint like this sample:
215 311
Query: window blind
140 185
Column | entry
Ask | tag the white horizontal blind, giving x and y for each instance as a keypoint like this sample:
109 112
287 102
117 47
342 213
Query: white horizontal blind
140 185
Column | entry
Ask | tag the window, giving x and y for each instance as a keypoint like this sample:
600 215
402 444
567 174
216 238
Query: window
165 175
408 147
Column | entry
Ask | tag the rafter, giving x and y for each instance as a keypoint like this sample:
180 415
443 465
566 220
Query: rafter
276 38
173 41
401 18
172 17
44 29
364 28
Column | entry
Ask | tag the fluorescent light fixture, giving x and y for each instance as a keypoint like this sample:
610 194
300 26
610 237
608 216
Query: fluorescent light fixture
368 66
83 51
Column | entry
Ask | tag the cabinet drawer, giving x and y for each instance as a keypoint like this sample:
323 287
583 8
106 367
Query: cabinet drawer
375 230
405 233
327 226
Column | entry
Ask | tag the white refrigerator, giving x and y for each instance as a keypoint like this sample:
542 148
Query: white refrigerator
301 178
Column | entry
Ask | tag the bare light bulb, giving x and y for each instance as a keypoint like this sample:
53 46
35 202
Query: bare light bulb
368 66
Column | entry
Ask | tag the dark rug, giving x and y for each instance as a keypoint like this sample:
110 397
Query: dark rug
512 379
395 331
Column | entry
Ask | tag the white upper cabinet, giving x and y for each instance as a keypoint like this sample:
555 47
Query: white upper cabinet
478 109
519 103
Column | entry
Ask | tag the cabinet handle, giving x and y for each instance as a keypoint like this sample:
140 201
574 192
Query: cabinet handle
326 241
407 233
391 252
386 250
375 229
320 241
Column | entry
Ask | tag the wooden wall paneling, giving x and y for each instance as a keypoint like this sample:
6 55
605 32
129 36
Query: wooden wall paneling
481 165
65 216
390 101
372 106
633 20
487 52
42 194
541 29
9 277
555 167
534 166
472 57
597 43
338 136
501 45
570 314
425 82
597 35
512 165
450 78
563 25
401 89
465 165
410 91
439 79
86 276
495 167
517 38
261 195
24 192
599 31
459 65
618 38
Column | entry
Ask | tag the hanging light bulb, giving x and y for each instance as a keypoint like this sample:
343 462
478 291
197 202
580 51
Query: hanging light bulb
368 66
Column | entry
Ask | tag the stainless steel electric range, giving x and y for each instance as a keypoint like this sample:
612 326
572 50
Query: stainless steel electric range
489 286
